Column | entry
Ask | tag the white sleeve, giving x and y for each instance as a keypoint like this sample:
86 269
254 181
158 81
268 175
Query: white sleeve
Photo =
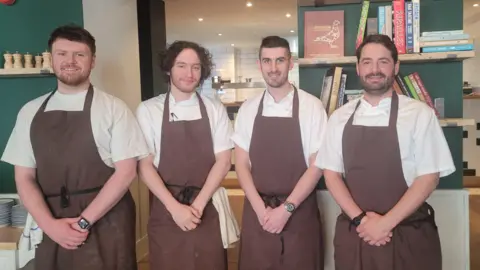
19 149
222 131
330 156
242 134
145 121
318 127
431 150
127 138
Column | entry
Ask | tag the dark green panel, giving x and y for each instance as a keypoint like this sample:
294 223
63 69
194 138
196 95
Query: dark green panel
441 79
25 27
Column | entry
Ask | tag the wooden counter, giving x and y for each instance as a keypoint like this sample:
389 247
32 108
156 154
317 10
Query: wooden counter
9 237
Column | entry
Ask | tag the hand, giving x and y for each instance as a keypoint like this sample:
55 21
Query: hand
186 217
199 206
275 219
62 233
373 230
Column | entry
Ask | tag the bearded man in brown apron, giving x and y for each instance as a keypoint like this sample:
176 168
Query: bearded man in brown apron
189 139
75 153
392 151
277 135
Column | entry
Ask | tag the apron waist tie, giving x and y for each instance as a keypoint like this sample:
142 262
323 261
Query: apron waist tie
65 194
273 201
186 193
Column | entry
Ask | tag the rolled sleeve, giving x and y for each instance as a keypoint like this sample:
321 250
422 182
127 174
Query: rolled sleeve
318 127
145 121
330 156
242 135
127 138
431 151
222 137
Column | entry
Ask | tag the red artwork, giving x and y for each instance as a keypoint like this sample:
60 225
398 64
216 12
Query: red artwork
7 2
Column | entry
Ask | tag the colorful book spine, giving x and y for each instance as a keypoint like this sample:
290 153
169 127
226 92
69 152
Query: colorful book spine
399 25
461 47
441 33
444 37
424 91
381 20
409 26
416 26
363 23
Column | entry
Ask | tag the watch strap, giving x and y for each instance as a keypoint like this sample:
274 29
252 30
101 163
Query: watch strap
358 219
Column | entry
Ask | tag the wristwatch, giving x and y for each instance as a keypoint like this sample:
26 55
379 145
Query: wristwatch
358 219
290 207
84 224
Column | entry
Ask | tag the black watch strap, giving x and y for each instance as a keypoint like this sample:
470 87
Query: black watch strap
84 223
356 220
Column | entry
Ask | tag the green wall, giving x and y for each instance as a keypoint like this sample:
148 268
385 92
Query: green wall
25 27
441 79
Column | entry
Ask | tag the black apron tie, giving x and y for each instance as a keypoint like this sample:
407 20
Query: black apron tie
65 194
274 201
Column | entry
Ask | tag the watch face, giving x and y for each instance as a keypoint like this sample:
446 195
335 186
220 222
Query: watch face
290 207
83 223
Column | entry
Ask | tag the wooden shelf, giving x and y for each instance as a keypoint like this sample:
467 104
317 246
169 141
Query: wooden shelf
456 122
404 58
319 3
26 72
471 97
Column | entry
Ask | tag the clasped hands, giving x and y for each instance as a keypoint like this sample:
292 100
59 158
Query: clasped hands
374 230
273 220
66 232
188 217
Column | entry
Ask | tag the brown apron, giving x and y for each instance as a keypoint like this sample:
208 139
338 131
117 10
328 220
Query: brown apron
278 162
186 159
70 173
377 183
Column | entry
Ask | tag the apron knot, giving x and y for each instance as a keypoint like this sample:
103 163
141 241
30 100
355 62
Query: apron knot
64 198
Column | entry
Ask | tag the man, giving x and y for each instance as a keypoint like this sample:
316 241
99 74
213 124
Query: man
392 151
277 136
189 140
75 153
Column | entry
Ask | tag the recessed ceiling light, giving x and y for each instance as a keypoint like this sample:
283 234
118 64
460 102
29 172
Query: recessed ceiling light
249 4
291 31
288 15
219 34
475 5
232 44
200 19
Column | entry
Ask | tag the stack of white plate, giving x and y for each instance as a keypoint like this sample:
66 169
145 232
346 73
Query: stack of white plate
6 212
19 216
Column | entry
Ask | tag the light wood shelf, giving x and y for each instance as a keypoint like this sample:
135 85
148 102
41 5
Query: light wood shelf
471 97
25 72
456 122
404 58
9 237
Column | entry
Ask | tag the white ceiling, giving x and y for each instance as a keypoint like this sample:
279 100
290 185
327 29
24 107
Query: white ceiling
240 25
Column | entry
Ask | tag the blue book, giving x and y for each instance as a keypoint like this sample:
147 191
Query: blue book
460 47
381 20
409 26
445 37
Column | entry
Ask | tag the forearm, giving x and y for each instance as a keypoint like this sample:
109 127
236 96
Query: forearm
305 185
214 178
111 193
151 178
341 194
32 197
413 198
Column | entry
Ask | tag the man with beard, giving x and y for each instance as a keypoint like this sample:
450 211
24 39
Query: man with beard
391 151
277 136
188 135
75 152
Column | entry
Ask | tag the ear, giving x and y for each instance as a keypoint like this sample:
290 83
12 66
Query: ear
397 67
93 61
358 73
259 64
292 63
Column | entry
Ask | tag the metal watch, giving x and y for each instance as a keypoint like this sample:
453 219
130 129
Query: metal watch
84 224
290 207
358 219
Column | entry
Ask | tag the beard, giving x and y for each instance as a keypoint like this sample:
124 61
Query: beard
74 79
379 88
184 89
277 81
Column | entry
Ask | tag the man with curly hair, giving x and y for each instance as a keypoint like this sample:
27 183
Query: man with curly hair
188 135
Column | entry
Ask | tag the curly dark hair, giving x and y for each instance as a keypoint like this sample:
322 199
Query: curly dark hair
75 33
168 56
378 39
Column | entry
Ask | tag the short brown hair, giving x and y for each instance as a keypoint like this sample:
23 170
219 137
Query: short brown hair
75 33
379 39
274 42
167 58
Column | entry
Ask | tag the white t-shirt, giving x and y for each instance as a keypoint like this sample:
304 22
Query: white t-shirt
115 129
423 147
150 117
312 117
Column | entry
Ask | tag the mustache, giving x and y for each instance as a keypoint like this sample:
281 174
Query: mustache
378 74
274 73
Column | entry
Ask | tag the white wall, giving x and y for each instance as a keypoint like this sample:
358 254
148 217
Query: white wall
113 23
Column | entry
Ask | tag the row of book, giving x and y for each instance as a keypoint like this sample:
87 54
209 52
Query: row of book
334 93
400 20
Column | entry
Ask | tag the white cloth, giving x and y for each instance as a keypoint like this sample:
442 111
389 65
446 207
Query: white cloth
31 237
150 117
312 116
115 129
228 224
423 147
